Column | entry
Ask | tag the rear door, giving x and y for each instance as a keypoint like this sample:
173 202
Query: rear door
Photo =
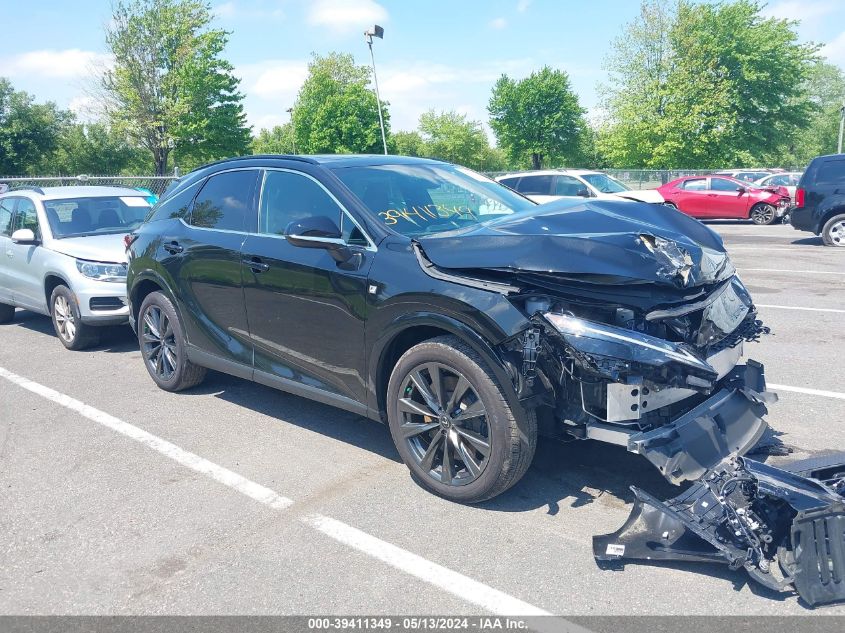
692 197
306 310
202 255
725 200
26 261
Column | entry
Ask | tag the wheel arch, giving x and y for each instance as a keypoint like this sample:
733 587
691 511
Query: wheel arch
142 286
828 214
51 281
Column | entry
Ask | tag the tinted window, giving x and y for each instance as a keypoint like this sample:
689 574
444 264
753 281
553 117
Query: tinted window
536 185
720 184
698 184
777 181
225 202
287 197
568 186
6 207
831 172
176 206
510 182
26 217
605 183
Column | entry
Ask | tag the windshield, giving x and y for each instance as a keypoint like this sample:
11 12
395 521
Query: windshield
95 216
420 199
605 183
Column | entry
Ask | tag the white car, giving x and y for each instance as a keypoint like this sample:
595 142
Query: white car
555 184
788 179
62 255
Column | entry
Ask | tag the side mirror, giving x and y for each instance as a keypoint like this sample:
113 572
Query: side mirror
24 236
321 232
740 190
583 193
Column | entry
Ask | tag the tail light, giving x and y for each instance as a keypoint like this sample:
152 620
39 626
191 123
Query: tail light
799 198
128 239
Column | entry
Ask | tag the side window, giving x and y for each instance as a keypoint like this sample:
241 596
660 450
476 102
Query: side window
831 172
777 181
536 185
288 196
26 217
7 205
568 186
174 207
510 182
697 184
720 184
225 202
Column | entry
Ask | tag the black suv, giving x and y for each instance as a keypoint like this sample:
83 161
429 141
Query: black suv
469 319
820 200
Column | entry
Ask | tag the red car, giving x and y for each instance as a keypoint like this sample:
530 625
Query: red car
721 197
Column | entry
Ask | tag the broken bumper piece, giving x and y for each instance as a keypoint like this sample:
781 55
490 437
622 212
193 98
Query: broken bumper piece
786 529
727 423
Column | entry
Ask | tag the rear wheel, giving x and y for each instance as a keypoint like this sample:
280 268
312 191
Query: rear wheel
7 313
72 332
763 213
833 233
453 425
163 345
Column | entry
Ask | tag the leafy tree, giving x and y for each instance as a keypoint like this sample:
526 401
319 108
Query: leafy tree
538 117
724 87
406 144
170 91
335 110
91 149
279 140
452 137
28 131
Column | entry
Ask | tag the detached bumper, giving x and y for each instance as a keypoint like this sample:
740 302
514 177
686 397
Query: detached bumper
728 423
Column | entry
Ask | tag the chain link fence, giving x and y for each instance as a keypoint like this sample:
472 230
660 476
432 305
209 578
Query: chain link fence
155 184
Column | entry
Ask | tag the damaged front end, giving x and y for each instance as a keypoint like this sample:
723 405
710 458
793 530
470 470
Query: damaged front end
787 529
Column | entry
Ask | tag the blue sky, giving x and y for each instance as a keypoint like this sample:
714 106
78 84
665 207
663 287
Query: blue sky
442 54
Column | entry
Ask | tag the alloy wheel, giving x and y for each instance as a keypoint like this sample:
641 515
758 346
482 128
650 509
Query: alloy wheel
763 214
444 423
836 233
65 319
159 343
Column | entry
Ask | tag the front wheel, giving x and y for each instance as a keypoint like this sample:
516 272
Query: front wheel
72 332
452 424
763 214
163 345
833 233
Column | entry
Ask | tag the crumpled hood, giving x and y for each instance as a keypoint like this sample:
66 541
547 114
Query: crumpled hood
595 241
95 248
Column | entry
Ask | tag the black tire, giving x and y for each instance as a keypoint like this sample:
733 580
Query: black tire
510 449
167 363
7 313
72 332
833 233
763 214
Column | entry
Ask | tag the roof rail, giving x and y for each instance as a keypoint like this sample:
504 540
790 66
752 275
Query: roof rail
38 190
299 157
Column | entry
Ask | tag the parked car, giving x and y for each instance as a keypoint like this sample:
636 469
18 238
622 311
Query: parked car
820 200
554 184
64 256
745 175
429 297
720 197
787 180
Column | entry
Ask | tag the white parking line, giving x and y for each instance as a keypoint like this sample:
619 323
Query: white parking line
767 305
790 270
432 573
805 390
461 586
190 460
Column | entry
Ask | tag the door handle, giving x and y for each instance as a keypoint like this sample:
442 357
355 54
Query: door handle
173 247
10 253
256 265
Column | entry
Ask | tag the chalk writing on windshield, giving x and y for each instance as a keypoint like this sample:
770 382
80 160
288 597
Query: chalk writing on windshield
426 213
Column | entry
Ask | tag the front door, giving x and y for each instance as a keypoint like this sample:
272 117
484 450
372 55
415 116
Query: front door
203 258
726 200
7 208
25 261
306 311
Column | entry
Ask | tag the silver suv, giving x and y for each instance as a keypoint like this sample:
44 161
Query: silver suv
62 254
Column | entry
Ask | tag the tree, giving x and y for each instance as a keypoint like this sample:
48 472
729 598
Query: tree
538 117
825 88
407 144
279 140
91 148
170 90
28 131
335 110
726 87
452 137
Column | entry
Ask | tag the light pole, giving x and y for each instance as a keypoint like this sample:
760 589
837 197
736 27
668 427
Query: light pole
369 34
841 127
293 128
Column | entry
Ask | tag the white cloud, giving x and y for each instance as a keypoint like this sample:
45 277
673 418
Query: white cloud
54 64
270 87
346 15
835 50
241 10
86 108
522 5
498 23
799 9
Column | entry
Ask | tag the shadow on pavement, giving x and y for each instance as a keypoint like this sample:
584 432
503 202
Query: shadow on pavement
113 339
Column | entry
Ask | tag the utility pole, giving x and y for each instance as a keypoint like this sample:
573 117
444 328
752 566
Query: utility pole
369 34
841 127
293 128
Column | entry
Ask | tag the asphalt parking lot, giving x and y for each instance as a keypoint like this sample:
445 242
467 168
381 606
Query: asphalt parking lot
233 498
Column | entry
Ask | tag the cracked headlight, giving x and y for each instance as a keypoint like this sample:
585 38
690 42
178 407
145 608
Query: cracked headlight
598 340
102 272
